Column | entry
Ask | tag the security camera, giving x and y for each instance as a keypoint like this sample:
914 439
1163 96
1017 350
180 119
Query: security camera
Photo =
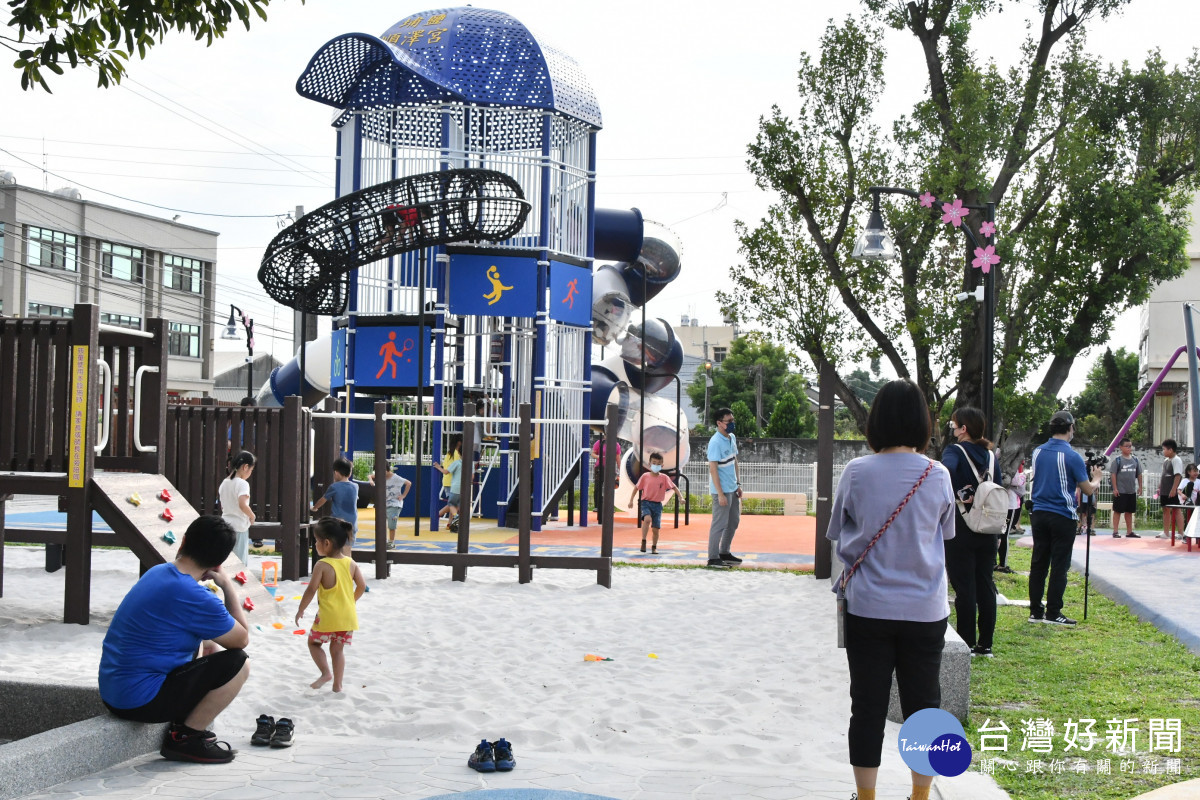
977 295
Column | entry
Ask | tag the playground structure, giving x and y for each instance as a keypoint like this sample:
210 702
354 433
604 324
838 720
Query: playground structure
450 125
83 417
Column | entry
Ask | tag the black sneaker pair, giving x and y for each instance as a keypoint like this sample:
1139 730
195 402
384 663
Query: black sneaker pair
273 733
492 756
181 743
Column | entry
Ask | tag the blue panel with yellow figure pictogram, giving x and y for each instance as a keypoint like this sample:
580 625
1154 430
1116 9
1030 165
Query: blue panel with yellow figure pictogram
494 286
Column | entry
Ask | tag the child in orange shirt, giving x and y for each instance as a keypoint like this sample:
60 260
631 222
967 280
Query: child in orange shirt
654 486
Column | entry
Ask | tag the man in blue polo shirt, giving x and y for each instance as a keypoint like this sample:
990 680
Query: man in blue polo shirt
1057 472
726 488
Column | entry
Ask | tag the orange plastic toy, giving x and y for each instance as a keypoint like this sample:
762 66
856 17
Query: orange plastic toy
274 567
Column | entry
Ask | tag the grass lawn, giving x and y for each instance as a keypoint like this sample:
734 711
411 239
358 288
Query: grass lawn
1111 667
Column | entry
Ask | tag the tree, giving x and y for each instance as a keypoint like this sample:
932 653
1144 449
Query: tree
92 32
864 386
747 426
754 370
792 419
1091 169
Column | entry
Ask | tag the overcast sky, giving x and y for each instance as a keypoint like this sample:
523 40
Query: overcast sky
681 86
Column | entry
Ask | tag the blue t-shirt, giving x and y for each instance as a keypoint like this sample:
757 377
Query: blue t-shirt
342 497
1057 471
157 627
455 470
723 450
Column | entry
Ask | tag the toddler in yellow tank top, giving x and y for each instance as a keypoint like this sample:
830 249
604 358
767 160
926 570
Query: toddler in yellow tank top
337 583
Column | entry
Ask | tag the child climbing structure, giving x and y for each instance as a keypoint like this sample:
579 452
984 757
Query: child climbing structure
460 260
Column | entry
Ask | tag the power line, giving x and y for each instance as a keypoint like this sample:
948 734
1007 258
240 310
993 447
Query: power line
139 202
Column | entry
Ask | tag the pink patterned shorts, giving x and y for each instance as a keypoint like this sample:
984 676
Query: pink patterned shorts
322 637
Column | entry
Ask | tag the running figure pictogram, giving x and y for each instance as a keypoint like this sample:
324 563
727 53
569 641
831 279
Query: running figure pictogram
389 351
572 290
498 288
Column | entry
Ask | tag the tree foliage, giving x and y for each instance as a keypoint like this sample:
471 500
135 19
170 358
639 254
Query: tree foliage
747 426
102 33
1108 396
792 419
1090 167
753 367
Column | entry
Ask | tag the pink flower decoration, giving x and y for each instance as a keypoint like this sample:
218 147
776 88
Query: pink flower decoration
985 257
954 214
927 200
988 229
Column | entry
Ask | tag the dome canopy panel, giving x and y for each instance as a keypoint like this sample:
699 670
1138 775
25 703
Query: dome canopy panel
469 55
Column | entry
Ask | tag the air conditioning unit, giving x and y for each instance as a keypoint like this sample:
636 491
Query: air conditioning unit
69 192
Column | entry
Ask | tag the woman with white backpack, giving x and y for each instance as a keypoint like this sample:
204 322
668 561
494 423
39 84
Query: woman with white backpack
970 555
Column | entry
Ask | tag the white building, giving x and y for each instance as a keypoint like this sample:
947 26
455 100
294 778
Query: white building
1162 334
57 249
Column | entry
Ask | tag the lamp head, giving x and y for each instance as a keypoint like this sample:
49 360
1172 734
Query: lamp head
873 243
230 331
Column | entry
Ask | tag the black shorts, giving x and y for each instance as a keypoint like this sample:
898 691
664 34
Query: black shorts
1169 501
1125 504
185 686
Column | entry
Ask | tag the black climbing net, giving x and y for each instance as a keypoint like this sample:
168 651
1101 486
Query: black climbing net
306 267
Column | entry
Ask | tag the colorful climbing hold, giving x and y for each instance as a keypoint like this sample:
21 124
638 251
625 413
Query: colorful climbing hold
167 515
299 632
169 537
240 578
135 499
165 496
248 604
277 626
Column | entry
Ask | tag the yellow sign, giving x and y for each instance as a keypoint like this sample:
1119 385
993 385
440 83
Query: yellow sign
77 451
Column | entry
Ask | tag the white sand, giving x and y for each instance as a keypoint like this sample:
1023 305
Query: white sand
747 669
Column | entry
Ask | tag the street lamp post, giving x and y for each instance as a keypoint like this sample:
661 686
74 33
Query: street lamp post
231 333
873 244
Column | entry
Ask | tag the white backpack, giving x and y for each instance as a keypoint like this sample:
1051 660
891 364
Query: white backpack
988 511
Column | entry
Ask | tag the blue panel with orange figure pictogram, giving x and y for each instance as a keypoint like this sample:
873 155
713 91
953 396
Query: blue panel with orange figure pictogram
496 286
570 294
386 357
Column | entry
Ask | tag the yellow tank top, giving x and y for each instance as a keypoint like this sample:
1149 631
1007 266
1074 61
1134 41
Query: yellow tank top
335 606
446 462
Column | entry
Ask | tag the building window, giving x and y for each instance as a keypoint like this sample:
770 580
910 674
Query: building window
121 262
719 354
182 273
183 340
121 320
53 249
43 310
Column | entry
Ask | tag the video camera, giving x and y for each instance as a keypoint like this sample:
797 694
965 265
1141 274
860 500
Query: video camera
1094 460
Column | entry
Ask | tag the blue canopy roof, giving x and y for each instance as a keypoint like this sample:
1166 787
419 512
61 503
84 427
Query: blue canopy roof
470 55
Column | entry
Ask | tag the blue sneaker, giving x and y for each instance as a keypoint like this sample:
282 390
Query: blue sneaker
503 755
483 760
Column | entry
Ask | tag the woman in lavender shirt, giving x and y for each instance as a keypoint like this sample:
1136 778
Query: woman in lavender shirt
896 607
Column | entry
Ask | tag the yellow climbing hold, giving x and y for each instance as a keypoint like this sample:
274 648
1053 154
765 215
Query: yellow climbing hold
652 655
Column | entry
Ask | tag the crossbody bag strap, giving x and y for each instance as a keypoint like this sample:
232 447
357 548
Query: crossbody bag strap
846 576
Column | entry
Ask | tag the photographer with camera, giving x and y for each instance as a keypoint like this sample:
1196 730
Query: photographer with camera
1126 476
1086 504
1057 471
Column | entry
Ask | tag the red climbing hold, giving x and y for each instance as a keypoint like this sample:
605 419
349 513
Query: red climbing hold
248 604
167 515
165 496
240 577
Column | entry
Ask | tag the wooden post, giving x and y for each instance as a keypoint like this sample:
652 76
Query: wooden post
823 565
524 494
154 398
380 499
80 418
466 484
292 446
604 574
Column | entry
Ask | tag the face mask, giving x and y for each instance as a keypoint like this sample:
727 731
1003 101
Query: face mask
656 467
729 426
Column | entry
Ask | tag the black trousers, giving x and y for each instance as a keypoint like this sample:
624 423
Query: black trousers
1053 541
874 648
970 557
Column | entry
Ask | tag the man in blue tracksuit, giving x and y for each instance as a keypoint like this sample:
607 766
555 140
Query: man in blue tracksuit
1057 472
